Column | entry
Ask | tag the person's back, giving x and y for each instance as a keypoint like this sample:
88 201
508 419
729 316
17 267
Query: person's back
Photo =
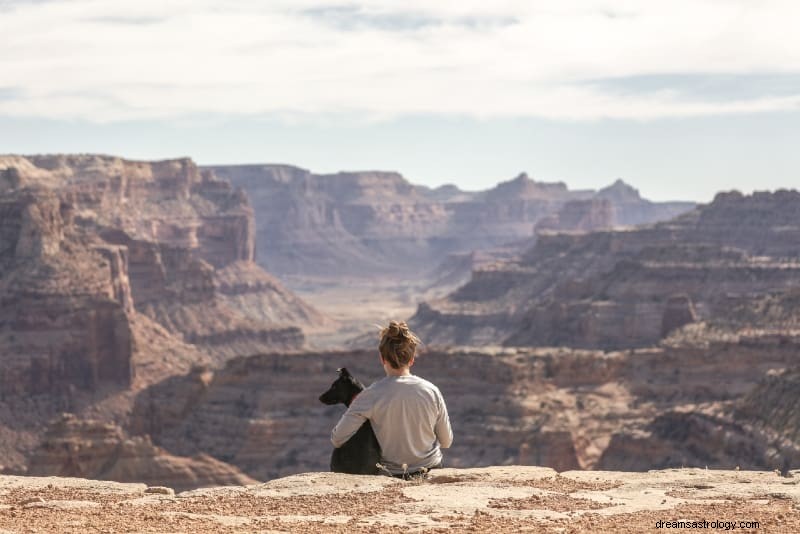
408 413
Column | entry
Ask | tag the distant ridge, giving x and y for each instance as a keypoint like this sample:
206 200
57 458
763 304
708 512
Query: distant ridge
373 224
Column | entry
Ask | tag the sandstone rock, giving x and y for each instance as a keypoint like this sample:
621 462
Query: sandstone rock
163 229
109 283
617 289
581 215
95 450
498 499
561 408
630 209
678 313
378 224
66 307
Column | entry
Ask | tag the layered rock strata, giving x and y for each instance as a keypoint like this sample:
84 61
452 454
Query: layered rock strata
562 408
116 274
72 447
619 289
168 229
356 224
65 314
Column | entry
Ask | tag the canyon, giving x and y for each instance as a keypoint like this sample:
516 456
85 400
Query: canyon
374 237
115 274
378 224
615 289
563 408
175 324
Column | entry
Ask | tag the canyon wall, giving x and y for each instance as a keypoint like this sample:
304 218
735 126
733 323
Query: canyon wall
629 288
357 224
170 230
64 318
86 448
563 408
116 274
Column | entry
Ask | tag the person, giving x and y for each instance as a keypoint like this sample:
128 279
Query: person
408 414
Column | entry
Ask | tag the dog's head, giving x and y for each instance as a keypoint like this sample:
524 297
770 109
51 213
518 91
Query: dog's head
343 389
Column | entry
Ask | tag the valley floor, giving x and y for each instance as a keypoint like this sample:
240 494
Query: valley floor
357 308
497 499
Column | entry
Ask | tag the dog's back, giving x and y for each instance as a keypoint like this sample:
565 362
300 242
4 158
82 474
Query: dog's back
360 454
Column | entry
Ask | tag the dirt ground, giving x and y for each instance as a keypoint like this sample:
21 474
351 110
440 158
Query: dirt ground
494 499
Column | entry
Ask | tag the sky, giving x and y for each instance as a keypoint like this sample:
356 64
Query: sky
682 99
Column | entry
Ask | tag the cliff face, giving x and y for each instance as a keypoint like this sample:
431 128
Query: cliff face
561 408
618 289
756 430
580 215
167 229
101 451
378 224
65 302
630 209
116 274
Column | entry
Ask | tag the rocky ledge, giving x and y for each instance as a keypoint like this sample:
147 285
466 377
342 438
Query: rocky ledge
500 499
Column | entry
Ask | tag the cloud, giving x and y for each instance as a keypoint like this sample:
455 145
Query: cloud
705 87
136 21
354 17
576 60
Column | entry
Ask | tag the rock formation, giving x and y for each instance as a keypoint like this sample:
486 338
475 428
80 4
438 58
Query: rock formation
130 294
166 229
580 215
563 408
378 224
629 288
630 209
65 314
756 431
116 274
500 499
100 451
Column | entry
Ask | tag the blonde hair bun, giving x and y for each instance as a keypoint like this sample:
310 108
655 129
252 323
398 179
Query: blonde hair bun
396 331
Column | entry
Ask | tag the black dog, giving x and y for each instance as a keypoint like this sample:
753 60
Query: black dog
360 453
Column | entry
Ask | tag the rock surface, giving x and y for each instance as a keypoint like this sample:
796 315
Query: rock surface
499 499
66 308
164 230
357 224
116 274
630 288
90 449
562 408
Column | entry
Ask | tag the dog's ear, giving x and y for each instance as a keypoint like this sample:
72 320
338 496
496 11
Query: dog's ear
343 372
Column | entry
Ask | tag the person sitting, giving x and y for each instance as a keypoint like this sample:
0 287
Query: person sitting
407 413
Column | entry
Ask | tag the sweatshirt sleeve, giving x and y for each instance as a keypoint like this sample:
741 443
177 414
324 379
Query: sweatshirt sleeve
444 433
351 421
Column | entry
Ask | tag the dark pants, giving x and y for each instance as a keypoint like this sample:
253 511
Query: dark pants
417 474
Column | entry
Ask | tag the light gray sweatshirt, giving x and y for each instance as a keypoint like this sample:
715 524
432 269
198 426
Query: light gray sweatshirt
410 420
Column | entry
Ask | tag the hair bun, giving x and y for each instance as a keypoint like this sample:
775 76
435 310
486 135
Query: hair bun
397 330
398 344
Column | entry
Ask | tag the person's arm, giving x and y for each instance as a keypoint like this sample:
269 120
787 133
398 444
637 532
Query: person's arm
351 421
444 433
